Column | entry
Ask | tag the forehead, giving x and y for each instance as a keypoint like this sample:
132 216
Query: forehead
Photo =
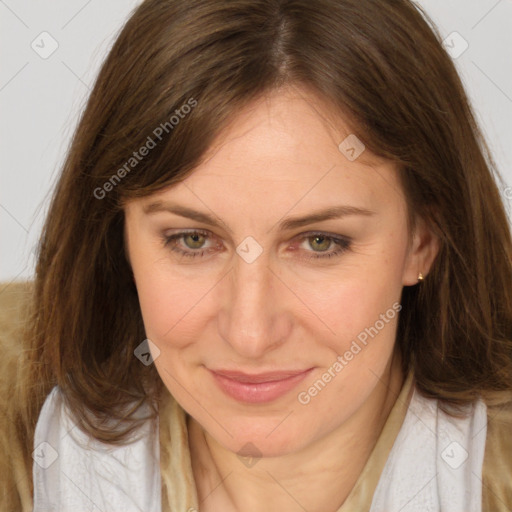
287 147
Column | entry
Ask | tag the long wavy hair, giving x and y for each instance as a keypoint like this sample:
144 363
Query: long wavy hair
380 64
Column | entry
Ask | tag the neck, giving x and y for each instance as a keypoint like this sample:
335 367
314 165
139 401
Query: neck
316 478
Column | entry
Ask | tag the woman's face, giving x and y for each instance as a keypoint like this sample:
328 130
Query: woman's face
282 257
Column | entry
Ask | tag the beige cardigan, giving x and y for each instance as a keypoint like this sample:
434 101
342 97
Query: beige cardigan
178 487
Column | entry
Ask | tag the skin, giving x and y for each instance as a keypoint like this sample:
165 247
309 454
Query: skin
279 158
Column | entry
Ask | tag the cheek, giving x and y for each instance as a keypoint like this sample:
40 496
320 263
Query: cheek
159 297
173 304
365 326
177 303
164 303
364 298
364 319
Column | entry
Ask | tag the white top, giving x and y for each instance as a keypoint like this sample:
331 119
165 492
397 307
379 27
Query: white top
73 472
435 464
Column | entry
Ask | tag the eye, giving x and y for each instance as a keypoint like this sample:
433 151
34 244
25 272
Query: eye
323 242
192 240
191 244
196 239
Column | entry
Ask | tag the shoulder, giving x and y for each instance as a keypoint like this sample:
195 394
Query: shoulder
71 469
497 467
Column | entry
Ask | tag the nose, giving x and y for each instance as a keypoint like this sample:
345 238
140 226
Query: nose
253 317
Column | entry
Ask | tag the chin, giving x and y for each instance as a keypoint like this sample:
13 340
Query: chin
260 440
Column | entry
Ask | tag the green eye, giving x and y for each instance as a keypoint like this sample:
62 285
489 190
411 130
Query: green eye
196 240
323 242
193 240
320 243
192 244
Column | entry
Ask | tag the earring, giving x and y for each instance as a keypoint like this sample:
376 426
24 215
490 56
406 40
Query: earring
420 277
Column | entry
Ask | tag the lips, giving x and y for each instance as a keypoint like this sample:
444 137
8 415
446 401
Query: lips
260 387
259 377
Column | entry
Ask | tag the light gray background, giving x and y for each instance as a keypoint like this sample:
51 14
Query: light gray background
41 98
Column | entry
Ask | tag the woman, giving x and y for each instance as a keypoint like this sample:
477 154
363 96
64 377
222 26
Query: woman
276 272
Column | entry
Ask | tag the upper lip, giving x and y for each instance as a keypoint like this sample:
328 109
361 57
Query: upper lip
259 377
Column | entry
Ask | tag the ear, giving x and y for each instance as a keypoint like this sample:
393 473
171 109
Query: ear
422 252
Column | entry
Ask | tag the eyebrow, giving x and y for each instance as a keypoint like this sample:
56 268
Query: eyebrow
333 212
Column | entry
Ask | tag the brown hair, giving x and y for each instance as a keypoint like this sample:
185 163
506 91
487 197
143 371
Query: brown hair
380 63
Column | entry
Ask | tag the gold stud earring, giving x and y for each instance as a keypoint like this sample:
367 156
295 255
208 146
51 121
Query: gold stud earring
420 277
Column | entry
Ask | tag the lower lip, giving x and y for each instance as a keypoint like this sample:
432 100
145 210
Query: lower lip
259 392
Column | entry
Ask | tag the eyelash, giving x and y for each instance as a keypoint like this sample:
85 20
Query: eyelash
343 243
